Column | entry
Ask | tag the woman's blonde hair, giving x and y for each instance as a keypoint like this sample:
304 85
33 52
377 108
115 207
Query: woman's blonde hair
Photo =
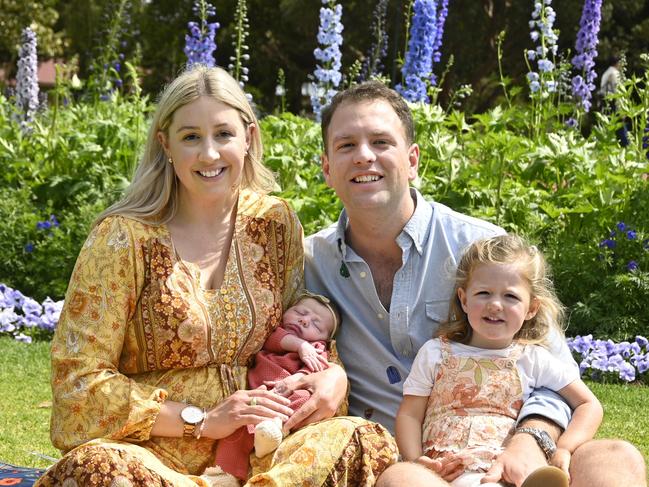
152 195
507 249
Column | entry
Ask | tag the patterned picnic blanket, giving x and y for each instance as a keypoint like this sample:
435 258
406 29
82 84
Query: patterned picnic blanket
19 476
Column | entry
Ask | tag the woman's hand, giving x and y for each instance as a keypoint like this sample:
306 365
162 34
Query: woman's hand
313 359
327 388
243 408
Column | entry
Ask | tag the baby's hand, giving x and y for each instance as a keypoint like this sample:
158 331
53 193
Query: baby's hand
561 459
312 358
286 386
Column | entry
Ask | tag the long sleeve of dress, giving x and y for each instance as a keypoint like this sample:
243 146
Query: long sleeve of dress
294 268
91 398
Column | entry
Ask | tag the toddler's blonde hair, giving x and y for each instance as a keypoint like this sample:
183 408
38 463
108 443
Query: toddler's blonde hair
507 249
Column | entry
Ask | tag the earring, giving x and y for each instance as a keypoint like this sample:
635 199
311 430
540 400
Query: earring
170 160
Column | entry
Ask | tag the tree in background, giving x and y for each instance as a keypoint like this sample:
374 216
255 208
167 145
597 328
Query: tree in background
283 34
42 16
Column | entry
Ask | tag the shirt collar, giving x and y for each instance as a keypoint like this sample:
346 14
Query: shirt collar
419 223
416 228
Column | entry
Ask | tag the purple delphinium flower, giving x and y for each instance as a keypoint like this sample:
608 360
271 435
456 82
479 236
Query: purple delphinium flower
373 62
608 243
642 341
327 73
632 266
239 35
27 76
583 83
418 66
52 222
631 234
200 43
572 123
544 36
442 13
621 226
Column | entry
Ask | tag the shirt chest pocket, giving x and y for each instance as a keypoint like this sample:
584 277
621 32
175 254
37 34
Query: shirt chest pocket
436 313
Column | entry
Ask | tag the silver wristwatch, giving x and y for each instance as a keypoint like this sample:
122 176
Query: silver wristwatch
545 442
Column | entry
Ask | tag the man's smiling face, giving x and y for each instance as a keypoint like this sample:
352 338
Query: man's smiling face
368 161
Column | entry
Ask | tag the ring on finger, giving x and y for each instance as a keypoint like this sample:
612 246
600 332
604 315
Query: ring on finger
253 401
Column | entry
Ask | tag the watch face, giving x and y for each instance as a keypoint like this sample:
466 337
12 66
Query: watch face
192 415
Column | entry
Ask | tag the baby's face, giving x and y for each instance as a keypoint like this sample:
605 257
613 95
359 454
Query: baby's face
309 320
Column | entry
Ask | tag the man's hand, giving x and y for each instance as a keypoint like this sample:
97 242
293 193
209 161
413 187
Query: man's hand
313 359
327 388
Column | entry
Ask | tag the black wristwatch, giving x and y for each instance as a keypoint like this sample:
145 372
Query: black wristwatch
545 442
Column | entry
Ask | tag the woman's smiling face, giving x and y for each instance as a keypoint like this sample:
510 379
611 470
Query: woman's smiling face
207 142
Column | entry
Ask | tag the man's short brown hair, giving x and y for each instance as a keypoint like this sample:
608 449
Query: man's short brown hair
370 91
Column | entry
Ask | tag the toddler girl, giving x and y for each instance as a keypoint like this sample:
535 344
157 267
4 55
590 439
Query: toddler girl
466 386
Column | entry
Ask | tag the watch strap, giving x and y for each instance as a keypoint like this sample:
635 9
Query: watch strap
543 439
189 430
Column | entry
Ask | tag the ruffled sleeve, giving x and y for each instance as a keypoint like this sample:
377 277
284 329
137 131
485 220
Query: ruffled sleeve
91 398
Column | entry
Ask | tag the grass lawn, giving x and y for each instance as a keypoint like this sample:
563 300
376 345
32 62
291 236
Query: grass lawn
25 411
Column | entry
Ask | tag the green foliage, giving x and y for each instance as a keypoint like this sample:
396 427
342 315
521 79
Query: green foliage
73 163
39 261
292 146
564 191
41 15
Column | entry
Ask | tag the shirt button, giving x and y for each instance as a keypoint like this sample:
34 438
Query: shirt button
379 316
363 274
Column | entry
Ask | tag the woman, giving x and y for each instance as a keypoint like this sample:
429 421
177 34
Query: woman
176 288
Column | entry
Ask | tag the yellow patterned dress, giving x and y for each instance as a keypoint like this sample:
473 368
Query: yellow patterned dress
137 329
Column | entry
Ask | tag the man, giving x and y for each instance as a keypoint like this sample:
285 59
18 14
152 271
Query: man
385 263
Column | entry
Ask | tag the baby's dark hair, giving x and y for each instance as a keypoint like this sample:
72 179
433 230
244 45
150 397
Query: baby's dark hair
507 249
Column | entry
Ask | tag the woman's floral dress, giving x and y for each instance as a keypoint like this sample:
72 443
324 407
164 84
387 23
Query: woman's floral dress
137 329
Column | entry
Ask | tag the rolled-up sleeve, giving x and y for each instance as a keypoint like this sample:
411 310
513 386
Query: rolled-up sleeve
544 402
